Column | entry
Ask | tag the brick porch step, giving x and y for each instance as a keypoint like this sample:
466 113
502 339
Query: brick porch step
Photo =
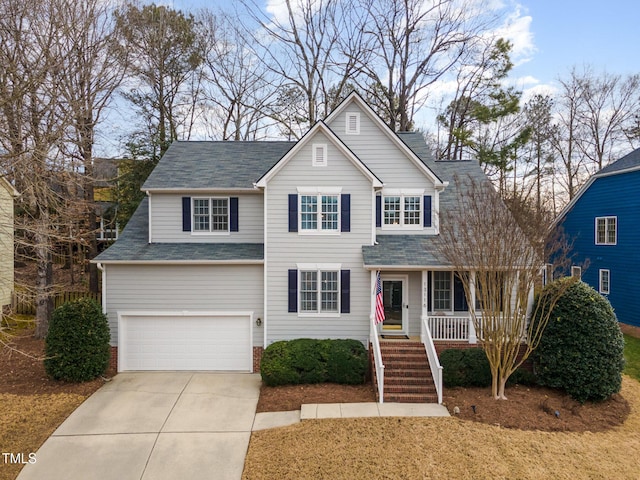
407 377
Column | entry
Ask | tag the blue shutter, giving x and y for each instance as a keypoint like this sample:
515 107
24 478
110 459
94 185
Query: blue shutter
426 214
186 214
233 214
345 291
293 290
459 298
293 213
345 212
378 211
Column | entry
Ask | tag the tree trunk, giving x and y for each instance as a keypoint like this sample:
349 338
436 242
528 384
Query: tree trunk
44 283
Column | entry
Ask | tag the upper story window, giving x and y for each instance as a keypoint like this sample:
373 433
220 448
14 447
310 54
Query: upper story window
319 213
402 210
211 214
606 230
352 123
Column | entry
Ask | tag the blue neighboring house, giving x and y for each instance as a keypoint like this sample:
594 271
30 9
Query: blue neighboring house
603 220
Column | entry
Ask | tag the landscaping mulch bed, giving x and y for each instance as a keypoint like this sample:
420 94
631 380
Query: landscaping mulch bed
291 397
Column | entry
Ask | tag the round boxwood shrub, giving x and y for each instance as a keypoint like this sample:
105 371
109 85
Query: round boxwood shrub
466 367
77 344
306 360
581 349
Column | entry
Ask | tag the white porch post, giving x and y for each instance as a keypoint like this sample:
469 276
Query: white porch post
372 291
473 336
425 295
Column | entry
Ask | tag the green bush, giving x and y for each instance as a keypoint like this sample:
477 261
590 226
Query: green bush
582 347
466 367
305 360
77 344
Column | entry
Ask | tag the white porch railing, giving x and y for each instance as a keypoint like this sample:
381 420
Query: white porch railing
451 328
377 357
432 355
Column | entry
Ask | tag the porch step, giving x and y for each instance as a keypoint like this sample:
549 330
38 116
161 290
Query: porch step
407 377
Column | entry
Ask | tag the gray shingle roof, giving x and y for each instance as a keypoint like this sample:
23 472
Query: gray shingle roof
630 160
133 246
192 165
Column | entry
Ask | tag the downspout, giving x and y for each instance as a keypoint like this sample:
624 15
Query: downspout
104 287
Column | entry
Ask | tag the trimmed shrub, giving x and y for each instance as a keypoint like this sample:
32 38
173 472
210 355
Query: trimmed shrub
466 367
305 360
77 344
582 347
347 361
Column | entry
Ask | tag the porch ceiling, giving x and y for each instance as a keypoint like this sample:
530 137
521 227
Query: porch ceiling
404 251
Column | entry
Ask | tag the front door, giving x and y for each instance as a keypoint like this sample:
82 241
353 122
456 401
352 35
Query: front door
396 308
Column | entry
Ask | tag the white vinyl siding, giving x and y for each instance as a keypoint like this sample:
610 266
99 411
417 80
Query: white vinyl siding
604 281
6 245
606 230
284 250
166 221
184 287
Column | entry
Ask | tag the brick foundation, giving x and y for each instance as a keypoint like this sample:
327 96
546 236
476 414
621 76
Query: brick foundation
113 361
257 357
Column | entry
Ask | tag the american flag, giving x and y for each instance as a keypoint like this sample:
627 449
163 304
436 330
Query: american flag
379 301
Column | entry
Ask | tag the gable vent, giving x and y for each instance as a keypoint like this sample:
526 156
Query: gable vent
353 123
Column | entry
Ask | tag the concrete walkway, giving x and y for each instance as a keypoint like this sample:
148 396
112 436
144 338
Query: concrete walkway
177 425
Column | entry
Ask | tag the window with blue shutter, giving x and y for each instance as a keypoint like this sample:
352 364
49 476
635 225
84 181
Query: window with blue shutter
293 212
186 214
378 211
426 214
345 291
459 297
293 290
345 212
233 214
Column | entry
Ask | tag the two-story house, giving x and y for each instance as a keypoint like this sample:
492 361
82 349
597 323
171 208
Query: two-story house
240 244
7 195
603 222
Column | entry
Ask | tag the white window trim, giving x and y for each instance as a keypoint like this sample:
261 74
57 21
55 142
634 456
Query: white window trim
402 194
433 293
318 268
600 288
210 232
347 130
319 192
576 271
606 230
319 160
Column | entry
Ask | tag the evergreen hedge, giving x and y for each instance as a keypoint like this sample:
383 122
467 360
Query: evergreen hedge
77 344
306 360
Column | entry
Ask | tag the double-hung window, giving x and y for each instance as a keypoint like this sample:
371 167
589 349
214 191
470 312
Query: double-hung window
320 213
605 281
210 215
606 230
402 210
442 291
319 291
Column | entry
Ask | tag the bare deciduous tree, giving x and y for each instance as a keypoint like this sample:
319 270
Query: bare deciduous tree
499 267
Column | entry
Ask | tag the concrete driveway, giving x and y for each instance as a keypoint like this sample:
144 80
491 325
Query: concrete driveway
165 425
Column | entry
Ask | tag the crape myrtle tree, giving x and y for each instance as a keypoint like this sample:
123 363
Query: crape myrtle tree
499 267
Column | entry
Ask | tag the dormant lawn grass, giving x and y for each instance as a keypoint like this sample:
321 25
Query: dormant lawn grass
444 448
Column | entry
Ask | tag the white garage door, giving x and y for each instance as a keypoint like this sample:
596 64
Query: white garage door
185 341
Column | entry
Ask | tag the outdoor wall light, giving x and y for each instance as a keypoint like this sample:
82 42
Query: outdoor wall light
258 322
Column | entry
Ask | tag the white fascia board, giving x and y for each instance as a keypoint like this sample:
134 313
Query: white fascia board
335 140
10 188
356 98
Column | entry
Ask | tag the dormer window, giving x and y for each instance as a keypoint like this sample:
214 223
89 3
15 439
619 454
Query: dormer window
352 123
319 155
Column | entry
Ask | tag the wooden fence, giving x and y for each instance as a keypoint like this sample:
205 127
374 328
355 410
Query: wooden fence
25 303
